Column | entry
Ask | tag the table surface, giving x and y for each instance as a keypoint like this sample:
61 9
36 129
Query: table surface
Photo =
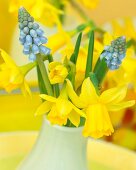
101 155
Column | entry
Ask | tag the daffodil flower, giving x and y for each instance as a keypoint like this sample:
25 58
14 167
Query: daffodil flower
58 40
58 72
125 74
60 109
96 107
80 64
126 27
12 76
99 47
90 4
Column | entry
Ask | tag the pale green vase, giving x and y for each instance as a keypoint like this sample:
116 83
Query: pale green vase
57 148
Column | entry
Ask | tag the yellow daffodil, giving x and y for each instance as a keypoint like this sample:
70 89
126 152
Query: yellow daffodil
80 64
58 40
60 109
126 28
12 76
96 107
57 72
126 73
90 4
99 46
41 10
129 68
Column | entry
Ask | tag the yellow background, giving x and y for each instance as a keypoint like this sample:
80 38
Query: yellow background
106 10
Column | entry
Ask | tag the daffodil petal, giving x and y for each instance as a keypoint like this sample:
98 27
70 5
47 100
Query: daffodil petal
4 78
8 60
63 107
107 38
52 65
114 95
43 108
88 94
16 76
58 73
119 106
73 96
48 98
98 46
74 118
80 112
53 42
25 89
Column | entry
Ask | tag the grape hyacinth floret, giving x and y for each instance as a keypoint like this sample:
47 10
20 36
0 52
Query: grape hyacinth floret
31 36
115 53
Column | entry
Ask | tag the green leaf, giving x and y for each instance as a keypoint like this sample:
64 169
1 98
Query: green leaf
90 55
82 121
50 58
94 80
76 50
81 27
100 70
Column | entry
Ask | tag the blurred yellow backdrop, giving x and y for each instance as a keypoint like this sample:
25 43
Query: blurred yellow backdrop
105 11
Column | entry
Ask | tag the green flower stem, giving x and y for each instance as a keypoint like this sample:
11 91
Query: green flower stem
100 70
72 72
44 75
79 10
81 28
85 17
131 43
100 30
41 84
50 58
56 89
26 68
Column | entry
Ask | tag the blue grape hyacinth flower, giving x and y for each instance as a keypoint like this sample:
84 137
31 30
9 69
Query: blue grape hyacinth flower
115 53
31 35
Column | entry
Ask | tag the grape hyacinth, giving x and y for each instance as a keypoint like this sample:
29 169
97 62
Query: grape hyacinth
115 53
31 36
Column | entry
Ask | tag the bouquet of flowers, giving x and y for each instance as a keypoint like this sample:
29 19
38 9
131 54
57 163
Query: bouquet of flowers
71 90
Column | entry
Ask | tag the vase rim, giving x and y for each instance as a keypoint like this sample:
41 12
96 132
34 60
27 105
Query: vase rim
63 128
